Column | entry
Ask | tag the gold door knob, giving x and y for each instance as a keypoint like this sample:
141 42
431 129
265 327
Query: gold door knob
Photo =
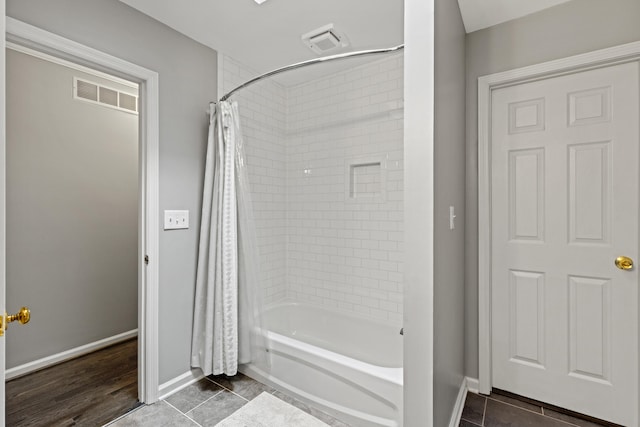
23 316
624 263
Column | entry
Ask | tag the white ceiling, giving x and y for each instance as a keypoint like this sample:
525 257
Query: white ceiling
267 36
479 14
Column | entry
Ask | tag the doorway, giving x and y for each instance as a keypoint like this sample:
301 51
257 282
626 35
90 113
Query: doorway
72 232
559 318
23 34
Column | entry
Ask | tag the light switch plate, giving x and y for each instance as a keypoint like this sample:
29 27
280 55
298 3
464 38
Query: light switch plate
452 218
176 220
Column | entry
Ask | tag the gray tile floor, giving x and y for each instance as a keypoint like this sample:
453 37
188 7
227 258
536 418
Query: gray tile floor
208 402
212 399
498 410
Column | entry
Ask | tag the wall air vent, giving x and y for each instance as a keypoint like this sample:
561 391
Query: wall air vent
324 39
86 90
108 97
128 102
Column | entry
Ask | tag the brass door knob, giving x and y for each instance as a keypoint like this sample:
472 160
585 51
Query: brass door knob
624 263
23 316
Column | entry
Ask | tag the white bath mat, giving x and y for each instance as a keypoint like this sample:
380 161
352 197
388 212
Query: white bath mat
267 410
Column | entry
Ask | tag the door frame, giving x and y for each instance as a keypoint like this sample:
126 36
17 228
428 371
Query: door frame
486 84
20 33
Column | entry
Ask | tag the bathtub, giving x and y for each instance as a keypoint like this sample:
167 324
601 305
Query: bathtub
344 365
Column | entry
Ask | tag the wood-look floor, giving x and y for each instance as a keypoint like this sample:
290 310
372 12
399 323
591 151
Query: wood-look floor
88 391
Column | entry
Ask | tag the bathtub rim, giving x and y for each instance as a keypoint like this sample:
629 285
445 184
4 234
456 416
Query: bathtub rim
393 375
375 321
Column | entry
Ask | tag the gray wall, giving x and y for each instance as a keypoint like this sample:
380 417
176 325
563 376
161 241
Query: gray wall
72 211
569 29
188 75
449 169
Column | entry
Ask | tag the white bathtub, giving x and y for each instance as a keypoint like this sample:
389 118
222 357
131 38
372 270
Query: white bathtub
346 366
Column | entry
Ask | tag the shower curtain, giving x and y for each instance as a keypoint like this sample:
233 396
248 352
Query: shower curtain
225 316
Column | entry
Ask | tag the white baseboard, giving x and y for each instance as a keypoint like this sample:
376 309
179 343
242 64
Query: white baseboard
473 385
178 383
467 385
459 405
54 359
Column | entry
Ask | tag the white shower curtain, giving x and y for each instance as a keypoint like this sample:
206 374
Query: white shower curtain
226 279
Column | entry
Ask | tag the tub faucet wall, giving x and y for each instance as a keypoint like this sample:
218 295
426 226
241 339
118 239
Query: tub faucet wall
304 143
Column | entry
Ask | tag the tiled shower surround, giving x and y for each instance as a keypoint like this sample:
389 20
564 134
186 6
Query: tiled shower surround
263 120
326 170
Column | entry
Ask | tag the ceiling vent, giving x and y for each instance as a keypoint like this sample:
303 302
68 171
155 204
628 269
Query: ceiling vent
324 39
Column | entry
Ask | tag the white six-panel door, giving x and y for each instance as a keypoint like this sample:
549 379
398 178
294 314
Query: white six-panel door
564 205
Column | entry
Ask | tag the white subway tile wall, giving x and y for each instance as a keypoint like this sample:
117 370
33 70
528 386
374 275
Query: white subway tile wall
326 170
344 249
263 123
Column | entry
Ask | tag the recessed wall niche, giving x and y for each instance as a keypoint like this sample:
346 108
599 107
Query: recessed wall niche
366 179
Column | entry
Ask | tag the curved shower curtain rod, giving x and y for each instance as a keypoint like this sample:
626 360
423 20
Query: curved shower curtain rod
311 62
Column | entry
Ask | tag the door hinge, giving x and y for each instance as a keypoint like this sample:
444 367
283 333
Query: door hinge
146 259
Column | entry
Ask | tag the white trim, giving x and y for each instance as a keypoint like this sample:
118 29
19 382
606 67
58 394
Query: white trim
419 188
484 243
54 359
57 60
597 59
178 383
22 33
468 385
3 193
459 405
148 316
472 385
